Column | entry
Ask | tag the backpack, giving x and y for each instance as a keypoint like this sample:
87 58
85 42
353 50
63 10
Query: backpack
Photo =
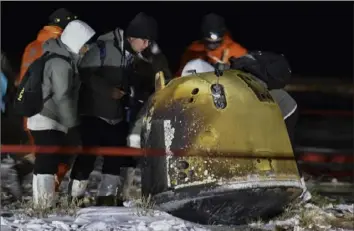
270 67
29 96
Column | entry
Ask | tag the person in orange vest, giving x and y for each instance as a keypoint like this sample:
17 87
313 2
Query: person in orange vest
58 20
215 46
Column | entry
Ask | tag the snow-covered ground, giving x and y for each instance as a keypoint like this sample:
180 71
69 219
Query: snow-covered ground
102 219
310 216
129 219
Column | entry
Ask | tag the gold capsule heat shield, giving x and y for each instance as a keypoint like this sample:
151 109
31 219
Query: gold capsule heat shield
237 148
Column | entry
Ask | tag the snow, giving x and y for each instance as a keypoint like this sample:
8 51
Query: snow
128 219
92 218
317 219
104 219
131 218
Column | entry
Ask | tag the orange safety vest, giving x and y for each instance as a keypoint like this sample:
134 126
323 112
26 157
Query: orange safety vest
34 50
197 50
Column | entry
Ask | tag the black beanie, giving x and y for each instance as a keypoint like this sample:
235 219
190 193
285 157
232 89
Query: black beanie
213 23
61 18
142 26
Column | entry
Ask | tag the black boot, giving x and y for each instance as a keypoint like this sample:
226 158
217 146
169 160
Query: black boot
23 168
106 201
79 201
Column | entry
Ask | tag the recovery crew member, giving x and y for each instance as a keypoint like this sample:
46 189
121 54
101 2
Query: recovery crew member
151 61
59 114
105 71
216 44
57 22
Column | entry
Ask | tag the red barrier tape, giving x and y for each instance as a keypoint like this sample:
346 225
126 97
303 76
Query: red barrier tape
134 152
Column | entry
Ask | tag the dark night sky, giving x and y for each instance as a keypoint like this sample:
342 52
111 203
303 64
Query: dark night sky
316 37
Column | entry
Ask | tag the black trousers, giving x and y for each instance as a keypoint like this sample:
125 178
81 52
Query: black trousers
47 163
12 132
97 132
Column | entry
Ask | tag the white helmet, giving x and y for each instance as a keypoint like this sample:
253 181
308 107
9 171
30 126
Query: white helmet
198 66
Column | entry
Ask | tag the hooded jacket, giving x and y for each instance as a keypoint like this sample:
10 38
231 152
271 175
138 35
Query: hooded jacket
197 50
60 79
99 79
34 50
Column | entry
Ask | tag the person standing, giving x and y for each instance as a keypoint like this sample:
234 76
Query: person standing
60 86
106 91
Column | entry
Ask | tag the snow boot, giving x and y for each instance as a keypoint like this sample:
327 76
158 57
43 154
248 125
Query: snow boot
107 191
76 191
108 201
132 183
43 191
15 177
23 168
13 183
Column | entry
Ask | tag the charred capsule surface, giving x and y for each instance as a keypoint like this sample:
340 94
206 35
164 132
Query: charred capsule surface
215 132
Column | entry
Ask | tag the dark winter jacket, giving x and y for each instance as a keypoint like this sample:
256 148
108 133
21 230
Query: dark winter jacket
103 68
151 61
145 67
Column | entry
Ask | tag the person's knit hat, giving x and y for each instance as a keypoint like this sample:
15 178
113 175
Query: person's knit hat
213 23
142 26
61 18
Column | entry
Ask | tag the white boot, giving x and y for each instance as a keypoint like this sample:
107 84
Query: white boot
78 188
34 190
43 191
109 185
132 184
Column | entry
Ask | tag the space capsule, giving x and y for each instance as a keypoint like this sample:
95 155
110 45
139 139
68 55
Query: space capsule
237 163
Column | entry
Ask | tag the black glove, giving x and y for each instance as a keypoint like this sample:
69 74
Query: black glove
220 68
242 62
